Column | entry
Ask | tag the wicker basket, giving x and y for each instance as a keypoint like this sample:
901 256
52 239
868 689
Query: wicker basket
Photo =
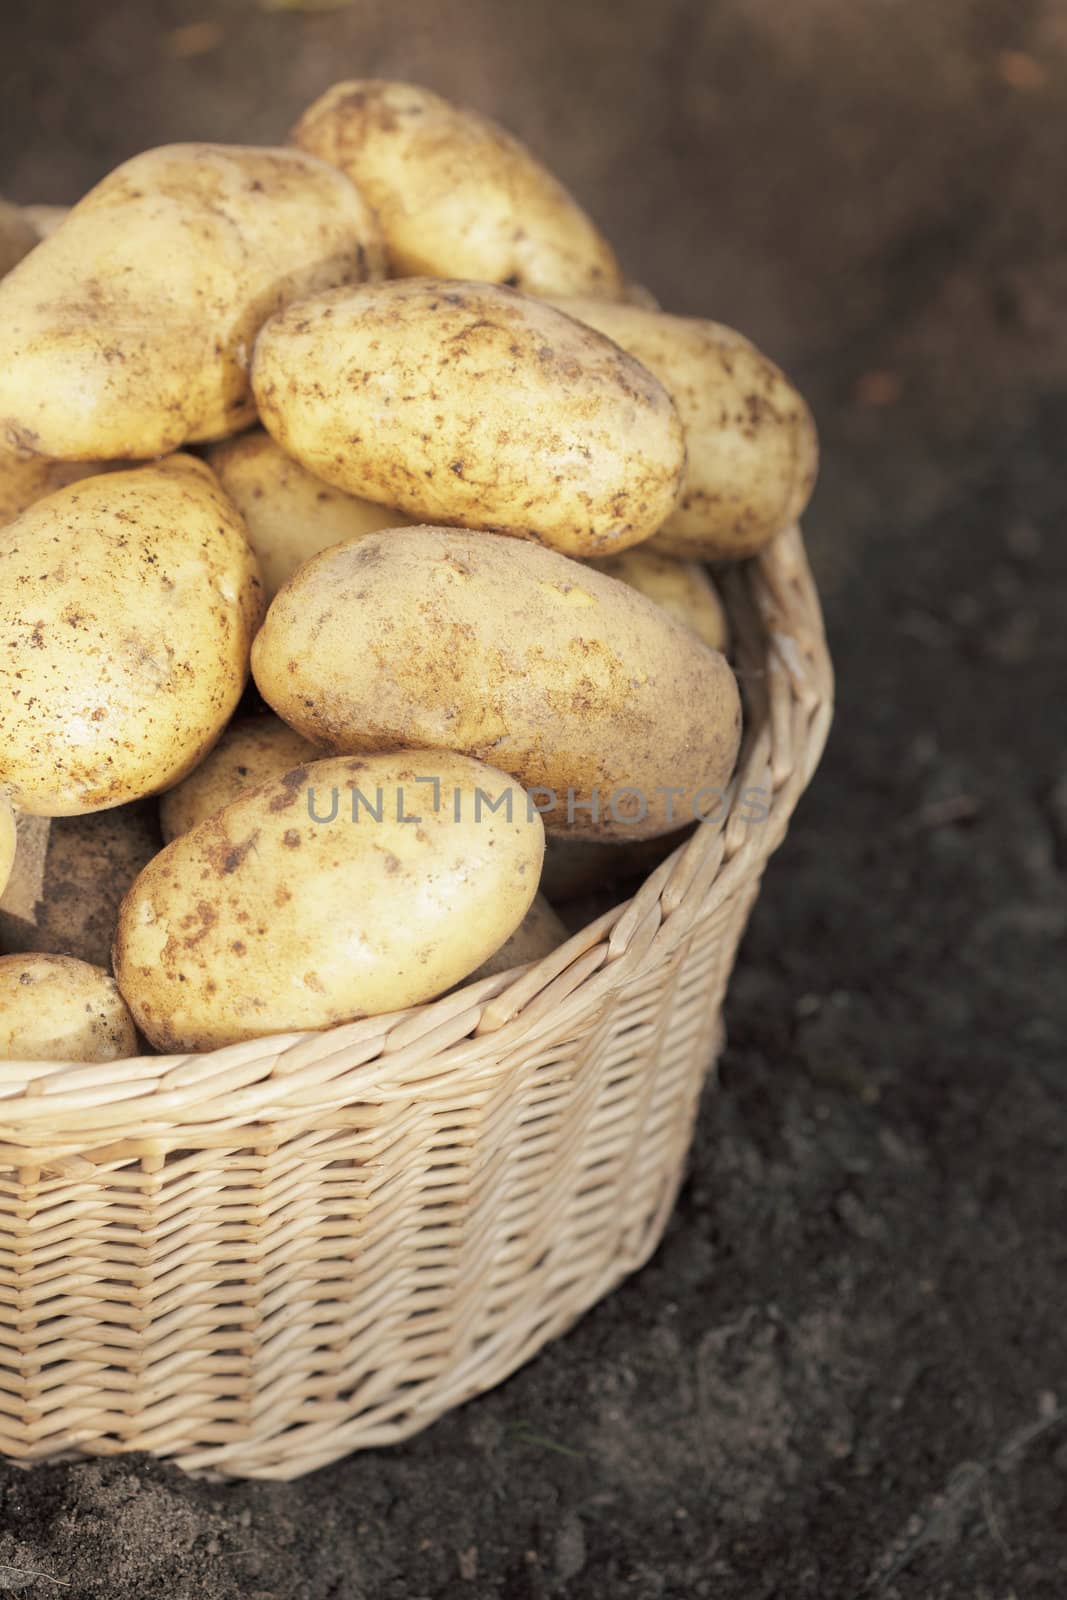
256 1260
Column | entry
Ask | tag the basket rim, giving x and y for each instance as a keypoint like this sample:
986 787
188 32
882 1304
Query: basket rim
49 1110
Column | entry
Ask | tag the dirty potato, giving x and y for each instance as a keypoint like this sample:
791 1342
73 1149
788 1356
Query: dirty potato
681 587
290 515
53 1008
581 688
129 331
456 196
469 404
750 438
251 750
346 888
127 607
89 864
24 479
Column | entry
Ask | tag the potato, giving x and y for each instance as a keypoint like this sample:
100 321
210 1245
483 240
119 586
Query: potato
468 403
129 331
751 442
18 236
570 681
538 934
45 219
24 479
251 750
456 196
127 607
89 863
290 515
8 839
682 588
55 1009
343 889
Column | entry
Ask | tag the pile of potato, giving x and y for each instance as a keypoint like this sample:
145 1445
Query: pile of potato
376 417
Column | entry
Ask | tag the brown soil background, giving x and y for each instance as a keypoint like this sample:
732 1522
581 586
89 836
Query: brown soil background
845 1372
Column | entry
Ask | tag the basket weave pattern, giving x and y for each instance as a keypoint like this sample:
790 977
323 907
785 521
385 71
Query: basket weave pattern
256 1260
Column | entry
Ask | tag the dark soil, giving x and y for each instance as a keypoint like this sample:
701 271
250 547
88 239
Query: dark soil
845 1372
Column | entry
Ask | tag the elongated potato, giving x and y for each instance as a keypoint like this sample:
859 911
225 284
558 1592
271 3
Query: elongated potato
467 403
129 331
251 750
127 608
580 687
750 438
343 889
682 588
89 864
538 934
456 196
290 515
53 1008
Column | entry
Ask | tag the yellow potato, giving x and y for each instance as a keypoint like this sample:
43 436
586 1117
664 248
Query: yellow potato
24 479
251 750
53 1008
290 515
681 587
127 607
751 441
8 839
89 863
467 403
129 331
570 681
456 196
538 934
344 889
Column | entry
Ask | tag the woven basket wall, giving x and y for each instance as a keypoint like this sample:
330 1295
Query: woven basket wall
256 1260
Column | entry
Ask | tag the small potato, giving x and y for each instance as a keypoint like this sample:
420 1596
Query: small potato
636 294
18 236
53 1008
251 750
129 331
89 864
751 441
456 196
682 588
127 608
577 685
467 403
24 479
538 934
289 514
346 888
8 839
45 219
